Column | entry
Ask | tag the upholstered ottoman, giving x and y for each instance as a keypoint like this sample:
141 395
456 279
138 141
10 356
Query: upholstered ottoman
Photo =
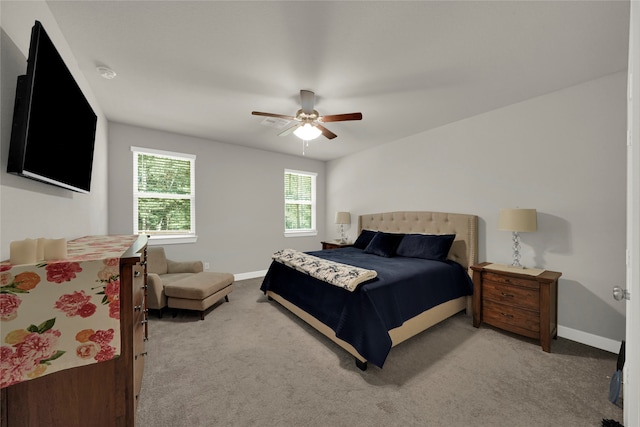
199 291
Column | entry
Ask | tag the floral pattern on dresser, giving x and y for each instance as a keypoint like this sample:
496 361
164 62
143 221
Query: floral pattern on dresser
57 315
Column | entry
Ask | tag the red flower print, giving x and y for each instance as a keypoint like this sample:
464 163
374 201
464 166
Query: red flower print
112 290
5 267
59 272
9 304
75 304
12 367
5 352
25 356
106 353
37 347
102 337
87 310
114 309
113 262
5 278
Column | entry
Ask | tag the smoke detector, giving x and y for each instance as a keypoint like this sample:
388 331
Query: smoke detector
106 73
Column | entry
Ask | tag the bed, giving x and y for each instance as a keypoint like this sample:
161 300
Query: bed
397 304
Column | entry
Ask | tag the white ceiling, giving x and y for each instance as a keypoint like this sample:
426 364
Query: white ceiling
200 67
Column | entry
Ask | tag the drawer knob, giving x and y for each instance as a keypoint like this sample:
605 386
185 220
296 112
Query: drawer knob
144 322
144 353
507 295
510 316
136 273
137 308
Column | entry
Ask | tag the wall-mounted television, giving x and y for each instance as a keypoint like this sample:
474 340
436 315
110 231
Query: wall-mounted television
54 127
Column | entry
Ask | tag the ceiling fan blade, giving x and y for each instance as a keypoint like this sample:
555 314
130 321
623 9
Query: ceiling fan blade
340 117
281 116
307 100
326 132
289 130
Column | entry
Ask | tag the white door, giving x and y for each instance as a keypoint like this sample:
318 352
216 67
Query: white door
631 390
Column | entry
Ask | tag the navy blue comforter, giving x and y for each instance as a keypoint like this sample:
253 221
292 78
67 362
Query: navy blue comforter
404 288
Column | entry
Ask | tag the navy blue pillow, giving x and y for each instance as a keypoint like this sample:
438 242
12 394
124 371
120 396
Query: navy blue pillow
384 244
426 246
363 239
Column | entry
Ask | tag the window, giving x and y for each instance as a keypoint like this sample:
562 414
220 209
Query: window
164 195
299 203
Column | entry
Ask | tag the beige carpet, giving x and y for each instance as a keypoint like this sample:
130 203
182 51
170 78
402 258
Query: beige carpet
252 363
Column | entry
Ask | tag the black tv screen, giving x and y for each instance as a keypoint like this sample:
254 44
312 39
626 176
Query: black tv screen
54 127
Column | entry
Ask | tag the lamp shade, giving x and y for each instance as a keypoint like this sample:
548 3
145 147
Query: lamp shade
343 218
307 132
521 220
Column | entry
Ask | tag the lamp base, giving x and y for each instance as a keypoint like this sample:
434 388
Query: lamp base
516 251
343 238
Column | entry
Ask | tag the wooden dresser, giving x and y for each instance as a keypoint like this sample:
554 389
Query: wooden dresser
517 302
103 394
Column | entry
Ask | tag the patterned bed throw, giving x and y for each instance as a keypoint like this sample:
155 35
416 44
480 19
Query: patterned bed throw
342 275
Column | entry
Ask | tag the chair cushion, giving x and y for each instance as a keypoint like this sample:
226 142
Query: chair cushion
198 286
199 305
170 278
156 260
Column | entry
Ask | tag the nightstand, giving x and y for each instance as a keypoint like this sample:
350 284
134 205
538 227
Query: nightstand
335 245
517 302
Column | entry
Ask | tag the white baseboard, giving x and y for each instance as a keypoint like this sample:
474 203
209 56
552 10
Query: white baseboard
586 338
249 275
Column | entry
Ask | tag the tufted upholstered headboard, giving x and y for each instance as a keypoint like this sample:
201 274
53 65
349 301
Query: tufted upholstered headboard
465 246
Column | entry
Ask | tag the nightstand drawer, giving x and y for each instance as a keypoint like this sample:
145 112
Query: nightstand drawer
506 317
335 245
508 280
511 295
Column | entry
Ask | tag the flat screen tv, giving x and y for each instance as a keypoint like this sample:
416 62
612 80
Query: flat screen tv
54 127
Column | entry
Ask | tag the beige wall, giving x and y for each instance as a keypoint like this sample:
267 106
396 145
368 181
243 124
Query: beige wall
563 153
30 209
239 198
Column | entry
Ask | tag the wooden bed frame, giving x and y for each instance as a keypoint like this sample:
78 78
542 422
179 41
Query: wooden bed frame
464 251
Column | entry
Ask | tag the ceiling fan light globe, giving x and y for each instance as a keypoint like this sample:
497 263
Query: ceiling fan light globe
307 132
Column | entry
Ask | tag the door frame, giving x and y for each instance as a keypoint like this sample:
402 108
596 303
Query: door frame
631 411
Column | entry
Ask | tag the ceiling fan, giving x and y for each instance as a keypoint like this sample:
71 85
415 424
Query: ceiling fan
309 124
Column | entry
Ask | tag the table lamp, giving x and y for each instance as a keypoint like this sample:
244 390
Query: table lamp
517 221
343 218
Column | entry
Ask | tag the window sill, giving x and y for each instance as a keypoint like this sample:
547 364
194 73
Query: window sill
155 240
305 233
